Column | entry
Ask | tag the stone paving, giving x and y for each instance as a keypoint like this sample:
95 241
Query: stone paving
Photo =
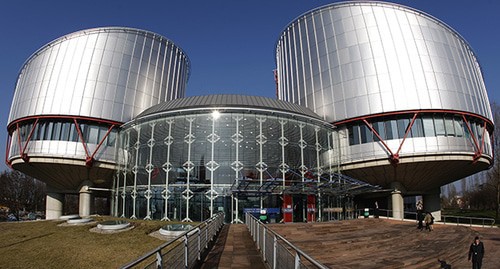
380 243
362 243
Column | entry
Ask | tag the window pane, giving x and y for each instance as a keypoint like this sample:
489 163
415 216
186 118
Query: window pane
84 130
366 134
35 132
93 135
48 131
450 129
380 128
56 134
112 138
73 134
459 129
439 124
428 126
353 135
65 131
41 130
466 130
402 126
102 132
391 129
479 128
417 129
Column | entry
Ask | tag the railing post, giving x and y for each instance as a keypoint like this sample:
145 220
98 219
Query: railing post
159 260
258 235
275 250
264 244
186 251
199 244
253 230
206 235
297 260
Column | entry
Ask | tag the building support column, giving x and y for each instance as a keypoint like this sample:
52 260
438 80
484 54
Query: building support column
86 200
54 205
397 200
432 203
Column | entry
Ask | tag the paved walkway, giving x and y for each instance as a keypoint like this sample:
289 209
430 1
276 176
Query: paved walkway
377 243
234 248
364 243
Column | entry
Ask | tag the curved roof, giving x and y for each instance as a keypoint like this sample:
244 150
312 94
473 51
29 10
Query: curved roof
108 29
374 3
223 101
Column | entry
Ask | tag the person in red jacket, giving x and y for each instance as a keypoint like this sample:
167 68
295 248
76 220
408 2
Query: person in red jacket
476 252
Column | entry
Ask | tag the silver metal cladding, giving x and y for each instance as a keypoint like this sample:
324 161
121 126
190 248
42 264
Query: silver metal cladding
351 59
110 73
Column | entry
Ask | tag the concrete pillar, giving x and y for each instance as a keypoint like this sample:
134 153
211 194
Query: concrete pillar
432 203
54 204
397 200
86 200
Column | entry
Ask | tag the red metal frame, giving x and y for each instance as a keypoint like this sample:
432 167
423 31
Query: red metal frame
479 147
89 159
7 152
275 72
394 157
24 155
13 123
403 112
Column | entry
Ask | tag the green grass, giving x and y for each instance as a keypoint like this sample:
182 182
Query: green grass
43 244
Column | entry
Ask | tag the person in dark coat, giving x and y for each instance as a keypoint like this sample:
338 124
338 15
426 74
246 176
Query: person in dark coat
476 252
420 214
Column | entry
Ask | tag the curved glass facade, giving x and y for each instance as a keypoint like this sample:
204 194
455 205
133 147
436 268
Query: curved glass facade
62 136
172 161
425 134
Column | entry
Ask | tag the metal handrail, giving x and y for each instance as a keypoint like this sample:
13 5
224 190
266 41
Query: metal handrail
211 225
443 217
468 220
255 226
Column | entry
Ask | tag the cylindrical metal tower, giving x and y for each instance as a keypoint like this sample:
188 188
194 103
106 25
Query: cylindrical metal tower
72 95
404 89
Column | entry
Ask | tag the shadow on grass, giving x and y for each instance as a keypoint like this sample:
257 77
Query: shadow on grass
26 240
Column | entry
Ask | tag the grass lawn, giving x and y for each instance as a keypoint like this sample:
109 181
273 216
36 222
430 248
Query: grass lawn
44 244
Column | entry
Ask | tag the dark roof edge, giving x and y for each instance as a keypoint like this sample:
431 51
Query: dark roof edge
227 101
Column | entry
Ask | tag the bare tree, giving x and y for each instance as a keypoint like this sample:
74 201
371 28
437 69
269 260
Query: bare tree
21 192
493 177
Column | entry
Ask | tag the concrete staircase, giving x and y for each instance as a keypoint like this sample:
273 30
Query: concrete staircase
380 243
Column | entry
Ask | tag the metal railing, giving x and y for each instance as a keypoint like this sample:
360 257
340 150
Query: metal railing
445 219
460 220
276 250
184 251
387 213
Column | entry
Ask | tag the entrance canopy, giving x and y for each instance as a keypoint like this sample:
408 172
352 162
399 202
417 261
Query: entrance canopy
334 184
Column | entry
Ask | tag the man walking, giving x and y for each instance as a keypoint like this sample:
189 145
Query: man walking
476 252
